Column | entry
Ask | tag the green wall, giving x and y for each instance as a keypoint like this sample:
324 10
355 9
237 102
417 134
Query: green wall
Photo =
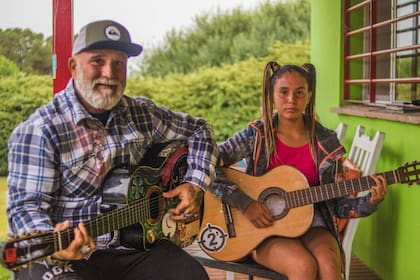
389 240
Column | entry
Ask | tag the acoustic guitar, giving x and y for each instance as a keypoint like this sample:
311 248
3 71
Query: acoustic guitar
163 169
227 235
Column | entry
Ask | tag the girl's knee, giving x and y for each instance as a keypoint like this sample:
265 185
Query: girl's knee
306 267
303 267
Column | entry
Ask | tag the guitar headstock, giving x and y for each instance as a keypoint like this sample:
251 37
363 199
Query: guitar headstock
15 253
410 173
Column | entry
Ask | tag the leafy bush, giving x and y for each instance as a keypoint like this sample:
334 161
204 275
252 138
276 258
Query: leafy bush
7 67
228 97
20 96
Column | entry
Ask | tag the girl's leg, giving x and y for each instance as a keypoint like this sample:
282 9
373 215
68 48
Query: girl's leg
287 256
324 247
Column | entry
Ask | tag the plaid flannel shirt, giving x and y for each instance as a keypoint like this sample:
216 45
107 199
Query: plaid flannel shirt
59 157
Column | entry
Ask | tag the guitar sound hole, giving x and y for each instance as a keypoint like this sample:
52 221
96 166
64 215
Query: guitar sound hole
155 206
274 199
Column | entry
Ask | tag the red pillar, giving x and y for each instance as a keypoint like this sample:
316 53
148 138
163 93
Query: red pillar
62 40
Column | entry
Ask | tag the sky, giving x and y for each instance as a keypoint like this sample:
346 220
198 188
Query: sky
146 20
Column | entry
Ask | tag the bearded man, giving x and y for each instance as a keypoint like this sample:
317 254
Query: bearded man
61 155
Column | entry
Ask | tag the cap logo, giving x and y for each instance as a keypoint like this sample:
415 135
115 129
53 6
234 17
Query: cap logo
112 33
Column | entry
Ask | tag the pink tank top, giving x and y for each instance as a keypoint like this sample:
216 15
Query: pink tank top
298 157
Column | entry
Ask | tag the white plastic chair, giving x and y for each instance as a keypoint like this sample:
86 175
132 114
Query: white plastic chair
341 131
364 152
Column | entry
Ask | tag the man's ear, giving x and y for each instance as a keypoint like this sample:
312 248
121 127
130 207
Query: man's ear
72 65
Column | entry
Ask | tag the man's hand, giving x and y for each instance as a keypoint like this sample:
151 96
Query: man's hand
191 197
81 245
259 215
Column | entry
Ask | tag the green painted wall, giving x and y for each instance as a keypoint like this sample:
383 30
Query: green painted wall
389 240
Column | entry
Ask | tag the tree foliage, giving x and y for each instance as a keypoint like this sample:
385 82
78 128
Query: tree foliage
228 97
227 37
28 50
213 70
7 67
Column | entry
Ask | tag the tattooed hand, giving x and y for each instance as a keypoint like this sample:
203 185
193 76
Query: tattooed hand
188 208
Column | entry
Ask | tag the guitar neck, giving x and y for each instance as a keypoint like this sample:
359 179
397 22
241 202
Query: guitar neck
136 212
325 192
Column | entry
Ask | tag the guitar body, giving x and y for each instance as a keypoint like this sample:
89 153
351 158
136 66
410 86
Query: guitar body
162 169
148 183
270 189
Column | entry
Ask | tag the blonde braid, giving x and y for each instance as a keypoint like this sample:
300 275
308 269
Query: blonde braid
268 108
310 117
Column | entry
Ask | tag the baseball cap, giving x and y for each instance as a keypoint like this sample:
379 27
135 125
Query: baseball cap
105 34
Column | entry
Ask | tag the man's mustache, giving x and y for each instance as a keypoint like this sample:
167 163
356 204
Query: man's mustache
107 82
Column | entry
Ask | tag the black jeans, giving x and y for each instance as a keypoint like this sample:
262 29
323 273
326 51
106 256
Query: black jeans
165 261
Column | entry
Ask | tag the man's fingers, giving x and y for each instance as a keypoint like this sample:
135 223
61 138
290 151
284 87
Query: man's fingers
62 226
172 193
187 208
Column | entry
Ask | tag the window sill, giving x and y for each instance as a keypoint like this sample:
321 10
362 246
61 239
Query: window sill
378 113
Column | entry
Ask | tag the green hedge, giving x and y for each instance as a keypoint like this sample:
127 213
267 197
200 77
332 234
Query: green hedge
20 96
227 96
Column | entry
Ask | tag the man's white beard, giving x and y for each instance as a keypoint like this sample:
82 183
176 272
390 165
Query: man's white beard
105 99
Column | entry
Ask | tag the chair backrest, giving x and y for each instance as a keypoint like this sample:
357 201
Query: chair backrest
364 151
341 131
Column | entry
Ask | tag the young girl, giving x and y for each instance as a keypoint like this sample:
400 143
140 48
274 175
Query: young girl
288 133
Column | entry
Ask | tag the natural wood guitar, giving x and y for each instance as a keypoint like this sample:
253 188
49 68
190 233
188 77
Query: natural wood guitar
227 235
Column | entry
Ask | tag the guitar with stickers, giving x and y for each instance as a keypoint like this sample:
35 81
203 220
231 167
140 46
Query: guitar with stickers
162 169
227 235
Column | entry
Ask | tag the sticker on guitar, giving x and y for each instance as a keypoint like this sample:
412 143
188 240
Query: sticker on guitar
212 238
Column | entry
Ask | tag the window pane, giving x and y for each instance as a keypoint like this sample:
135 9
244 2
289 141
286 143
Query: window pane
407 64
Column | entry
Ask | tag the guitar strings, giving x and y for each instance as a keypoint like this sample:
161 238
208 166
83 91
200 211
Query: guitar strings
325 192
137 211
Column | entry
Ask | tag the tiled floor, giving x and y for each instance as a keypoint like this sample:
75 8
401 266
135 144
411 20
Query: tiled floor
358 270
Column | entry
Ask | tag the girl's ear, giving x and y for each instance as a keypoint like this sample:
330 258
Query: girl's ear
309 98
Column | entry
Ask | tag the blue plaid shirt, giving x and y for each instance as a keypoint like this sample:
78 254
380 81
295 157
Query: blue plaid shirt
59 158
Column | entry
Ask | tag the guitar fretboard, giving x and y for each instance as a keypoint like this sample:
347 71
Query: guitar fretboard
334 190
137 212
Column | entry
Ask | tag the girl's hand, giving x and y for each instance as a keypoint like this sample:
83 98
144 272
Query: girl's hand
259 215
378 192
